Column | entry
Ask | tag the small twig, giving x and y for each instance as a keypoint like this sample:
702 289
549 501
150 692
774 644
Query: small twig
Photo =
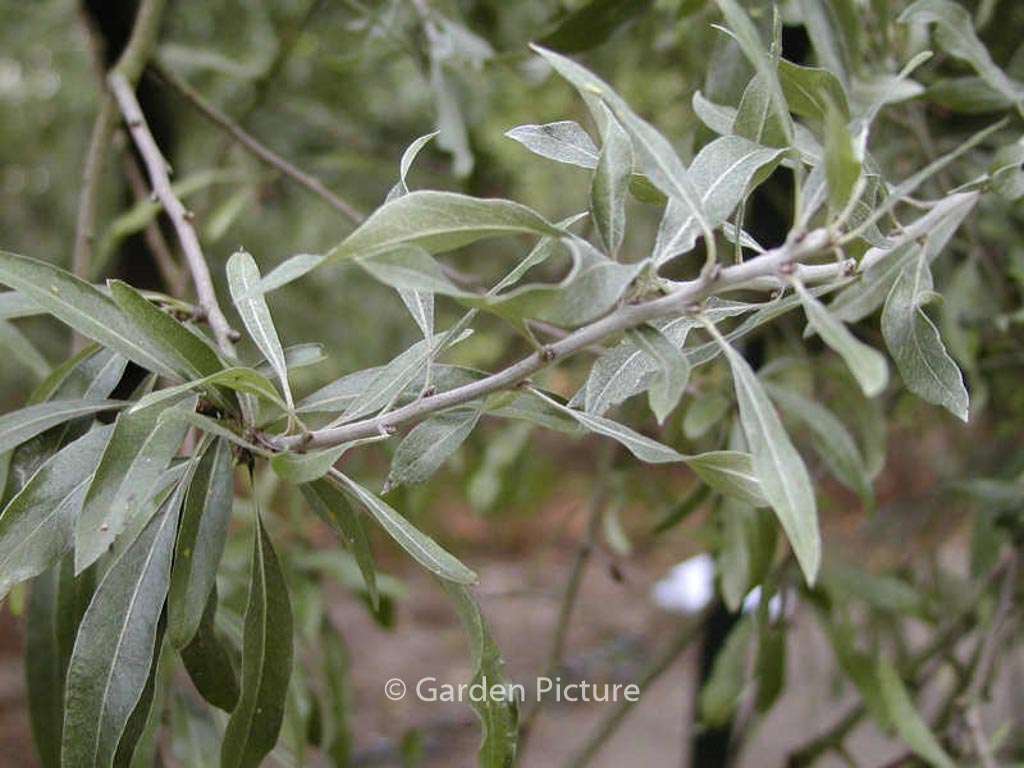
254 146
173 274
610 723
570 594
156 166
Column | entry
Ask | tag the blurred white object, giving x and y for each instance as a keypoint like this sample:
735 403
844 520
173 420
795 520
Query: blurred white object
689 586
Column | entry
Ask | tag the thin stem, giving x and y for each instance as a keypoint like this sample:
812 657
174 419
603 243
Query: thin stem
180 217
570 594
610 723
255 147
774 263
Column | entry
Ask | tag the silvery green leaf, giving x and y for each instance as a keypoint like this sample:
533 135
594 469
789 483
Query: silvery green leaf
968 95
81 306
721 119
749 539
251 303
653 153
524 407
37 525
880 266
866 363
114 648
14 304
731 473
810 90
746 34
498 715
955 34
295 356
611 180
564 141
421 306
429 444
673 373
421 547
408 158
831 439
915 344
724 171
826 35
244 380
22 350
756 117
19 426
140 448
409 269
307 467
394 378
783 475
704 411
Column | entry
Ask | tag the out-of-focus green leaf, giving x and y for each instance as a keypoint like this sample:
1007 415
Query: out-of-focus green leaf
255 722
201 536
842 163
720 694
22 425
138 451
421 547
194 738
783 475
244 280
770 665
429 444
36 526
826 35
915 344
703 412
208 662
79 305
23 350
498 715
905 718
968 95
592 24
338 713
114 648
955 34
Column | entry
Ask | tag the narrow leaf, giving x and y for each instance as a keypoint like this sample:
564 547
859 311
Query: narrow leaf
611 180
208 662
255 722
429 444
904 716
565 142
22 425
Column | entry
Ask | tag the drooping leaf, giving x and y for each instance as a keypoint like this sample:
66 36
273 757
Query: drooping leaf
338 737
22 425
955 33
429 444
749 537
255 722
408 158
114 648
244 281
720 694
731 473
498 715
137 737
866 363
564 142
332 505
916 346
81 306
37 525
200 543
783 475
611 180
421 547
905 718
208 662
592 23
138 451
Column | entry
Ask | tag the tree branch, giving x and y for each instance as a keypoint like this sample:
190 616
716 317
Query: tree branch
776 264
254 146
180 217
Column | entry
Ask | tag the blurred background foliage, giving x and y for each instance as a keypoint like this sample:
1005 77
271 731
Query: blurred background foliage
341 88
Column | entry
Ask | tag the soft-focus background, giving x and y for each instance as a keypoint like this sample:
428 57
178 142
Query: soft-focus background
341 88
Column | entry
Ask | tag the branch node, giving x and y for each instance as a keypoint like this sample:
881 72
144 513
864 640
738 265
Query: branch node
547 354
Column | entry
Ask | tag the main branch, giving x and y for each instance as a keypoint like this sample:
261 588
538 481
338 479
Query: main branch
776 264
181 218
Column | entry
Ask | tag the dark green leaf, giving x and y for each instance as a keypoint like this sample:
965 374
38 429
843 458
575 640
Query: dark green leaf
22 425
201 536
592 23
114 648
907 721
719 695
208 661
255 722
